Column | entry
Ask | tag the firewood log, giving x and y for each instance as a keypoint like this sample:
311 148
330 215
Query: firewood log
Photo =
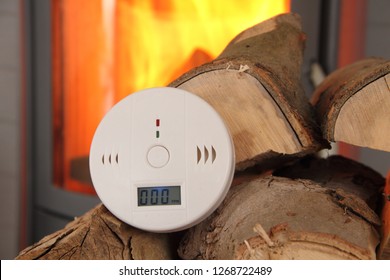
99 235
281 218
255 86
353 102
352 106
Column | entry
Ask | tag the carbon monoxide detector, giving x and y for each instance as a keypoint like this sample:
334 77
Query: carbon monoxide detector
162 159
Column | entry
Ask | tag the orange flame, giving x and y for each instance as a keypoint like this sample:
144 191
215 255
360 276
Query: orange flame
157 38
104 50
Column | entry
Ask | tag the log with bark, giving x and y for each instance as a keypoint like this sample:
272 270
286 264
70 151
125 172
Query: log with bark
255 86
353 102
282 218
99 235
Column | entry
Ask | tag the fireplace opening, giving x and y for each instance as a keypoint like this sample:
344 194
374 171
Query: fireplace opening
104 50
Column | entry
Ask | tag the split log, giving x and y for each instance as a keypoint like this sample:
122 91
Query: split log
353 102
98 235
255 86
293 219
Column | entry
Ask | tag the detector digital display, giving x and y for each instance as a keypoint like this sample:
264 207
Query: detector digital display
153 196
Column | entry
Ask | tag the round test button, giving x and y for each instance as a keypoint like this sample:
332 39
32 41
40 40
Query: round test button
158 156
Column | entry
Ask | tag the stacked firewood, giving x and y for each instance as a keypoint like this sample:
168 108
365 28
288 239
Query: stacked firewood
285 202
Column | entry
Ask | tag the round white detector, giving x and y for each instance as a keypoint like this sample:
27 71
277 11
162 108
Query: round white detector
174 160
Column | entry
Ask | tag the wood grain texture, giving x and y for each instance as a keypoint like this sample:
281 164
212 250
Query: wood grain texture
98 235
255 86
352 104
364 120
304 219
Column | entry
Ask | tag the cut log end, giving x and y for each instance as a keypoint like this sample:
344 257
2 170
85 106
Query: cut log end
290 245
352 104
364 118
228 91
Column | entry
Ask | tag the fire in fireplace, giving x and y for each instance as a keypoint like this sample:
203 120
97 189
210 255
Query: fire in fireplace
104 50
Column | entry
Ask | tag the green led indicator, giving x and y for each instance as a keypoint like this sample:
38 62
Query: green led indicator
157 134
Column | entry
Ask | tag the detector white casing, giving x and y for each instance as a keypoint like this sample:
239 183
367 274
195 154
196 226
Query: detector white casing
162 137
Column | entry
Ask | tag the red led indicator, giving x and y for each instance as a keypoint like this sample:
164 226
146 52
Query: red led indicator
157 122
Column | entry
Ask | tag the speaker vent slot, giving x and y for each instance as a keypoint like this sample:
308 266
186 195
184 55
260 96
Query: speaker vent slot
112 159
208 154
198 154
213 154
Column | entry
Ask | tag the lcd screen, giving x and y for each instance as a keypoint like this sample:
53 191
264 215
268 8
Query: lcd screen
159 195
